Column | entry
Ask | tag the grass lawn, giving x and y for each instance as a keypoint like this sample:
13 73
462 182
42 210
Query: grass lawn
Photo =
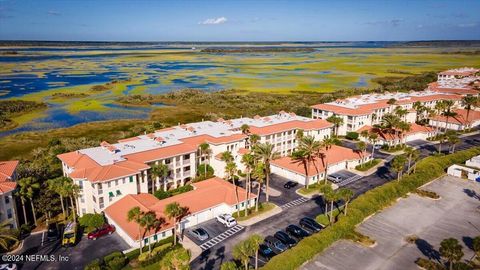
367 165
313 188
262 208
337 214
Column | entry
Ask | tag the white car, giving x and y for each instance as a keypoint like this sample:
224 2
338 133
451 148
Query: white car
227 220
8 266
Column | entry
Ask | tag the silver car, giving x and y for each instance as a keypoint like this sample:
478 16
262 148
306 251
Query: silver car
200 234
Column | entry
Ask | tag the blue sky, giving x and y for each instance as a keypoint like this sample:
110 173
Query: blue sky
261 20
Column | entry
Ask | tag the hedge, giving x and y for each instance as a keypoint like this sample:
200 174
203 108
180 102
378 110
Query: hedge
160 194
352 135
134 253
365 205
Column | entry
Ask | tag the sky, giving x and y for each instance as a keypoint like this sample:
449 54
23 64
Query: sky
229 20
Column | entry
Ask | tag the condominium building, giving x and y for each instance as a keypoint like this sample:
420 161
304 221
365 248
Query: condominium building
368 110
8 177
109 172
461 81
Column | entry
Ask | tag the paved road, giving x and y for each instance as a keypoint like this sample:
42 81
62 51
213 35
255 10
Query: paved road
78 256
221 252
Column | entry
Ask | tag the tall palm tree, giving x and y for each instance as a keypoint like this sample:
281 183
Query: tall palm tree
452 139
372 138
259 175
148 219
327 145
299 134
468 103
451 250
401 112
72 191
392 101
419 108
331 197
159 171
136 215
255 241
254 139
336 121
325 189
346 195
390 122
265 151
308 147
300 157
448 111
404 128
245 129
409 152
57 185
362 146
175 211
364 134
398 163
230 170
27 189
242 252
439 108
248 161
205 150
6 235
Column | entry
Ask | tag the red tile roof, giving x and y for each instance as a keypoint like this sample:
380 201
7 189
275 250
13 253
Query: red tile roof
7 171
336 154
461 117
206 194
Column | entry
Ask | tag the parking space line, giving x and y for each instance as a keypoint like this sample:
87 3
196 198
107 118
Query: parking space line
294 203
221 237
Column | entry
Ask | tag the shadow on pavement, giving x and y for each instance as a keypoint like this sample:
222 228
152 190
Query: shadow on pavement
427 250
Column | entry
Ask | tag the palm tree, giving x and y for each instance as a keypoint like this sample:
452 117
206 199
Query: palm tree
254 139
364 135
259 175
205 150
389 122
404 127
265 151
448 111
451 250
300 157
136 215
6 235
324 189
245 129
230 265
248 161
230 170
27 189
346 195
468 103
419 108
56 185
361 146
336 121
439 108
159 171
242 252
401 112
408 151
441 139
255 241
175 211
299 134
149 220
308 149
453 140
392 101
327 144
331 197
397 165
372 137
415 157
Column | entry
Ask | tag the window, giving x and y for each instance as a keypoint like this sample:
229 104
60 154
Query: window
145 241
116 182
167 161
155 237
109 184
119 193
187 168
94 199
186 157
110 194
163 234
80 184
7 200
131 179
123 181
9 213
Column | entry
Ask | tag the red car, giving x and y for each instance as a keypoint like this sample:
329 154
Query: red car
106 229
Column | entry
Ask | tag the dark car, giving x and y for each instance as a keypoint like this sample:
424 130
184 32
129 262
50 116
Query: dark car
285 239
106 229
310 224
297 232
52 232
275 244
266 252
290 184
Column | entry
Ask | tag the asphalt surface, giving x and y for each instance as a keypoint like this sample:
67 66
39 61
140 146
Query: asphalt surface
215 256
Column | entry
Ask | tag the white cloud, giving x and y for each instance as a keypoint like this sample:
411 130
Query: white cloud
219 20
54 13
464 25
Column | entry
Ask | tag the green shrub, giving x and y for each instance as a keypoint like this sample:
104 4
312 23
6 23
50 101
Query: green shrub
91 221
94 265
112 256
117 263
365 205
159 256
201 171
145 256
351 135
160 194
134 253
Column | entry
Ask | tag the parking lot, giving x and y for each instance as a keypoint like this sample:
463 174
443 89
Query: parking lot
346 177
217 232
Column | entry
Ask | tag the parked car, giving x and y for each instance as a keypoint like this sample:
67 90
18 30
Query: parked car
377 146
275 244
106 229
227 220
297 232
52 232
335 178
8 266
310 224
285 239
290 184
266 252
200 233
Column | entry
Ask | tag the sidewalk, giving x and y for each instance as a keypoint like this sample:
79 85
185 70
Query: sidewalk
371 170
261 217
195 250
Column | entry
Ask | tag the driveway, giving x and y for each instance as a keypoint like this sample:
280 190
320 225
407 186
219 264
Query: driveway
78 255
454 215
